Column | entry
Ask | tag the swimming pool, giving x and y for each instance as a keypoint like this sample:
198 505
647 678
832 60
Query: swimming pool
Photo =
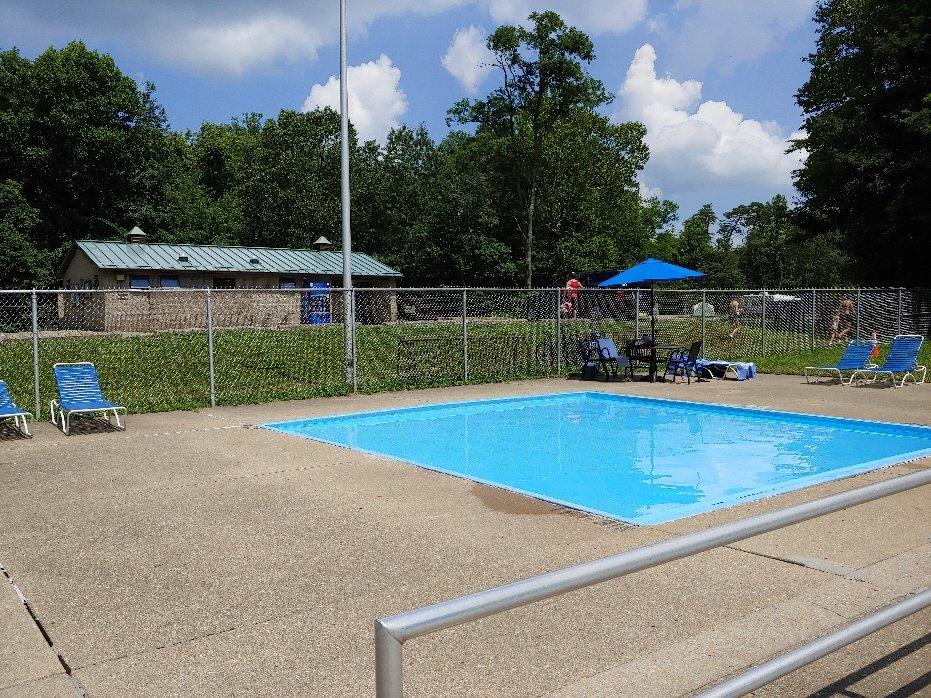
641 460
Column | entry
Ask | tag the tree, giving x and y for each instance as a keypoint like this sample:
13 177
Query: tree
224 158
659 217
695 239
724 267
589 208
544 81
776 253
292 195
401 198
22 264
868 122
462 219
85 144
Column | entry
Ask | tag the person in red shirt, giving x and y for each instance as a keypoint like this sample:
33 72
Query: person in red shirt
573 286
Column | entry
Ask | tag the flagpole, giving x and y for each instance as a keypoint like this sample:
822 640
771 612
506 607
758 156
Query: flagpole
348 300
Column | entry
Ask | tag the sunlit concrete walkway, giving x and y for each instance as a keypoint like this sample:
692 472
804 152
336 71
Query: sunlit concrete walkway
193 554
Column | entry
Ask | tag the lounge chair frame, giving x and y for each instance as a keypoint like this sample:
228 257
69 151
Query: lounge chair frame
20 418
62 418
831 372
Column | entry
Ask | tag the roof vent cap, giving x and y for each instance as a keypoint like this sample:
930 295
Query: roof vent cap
183 258
254 260
321 244
136 236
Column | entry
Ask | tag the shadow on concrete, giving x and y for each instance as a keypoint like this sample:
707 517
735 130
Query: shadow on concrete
87 424
841 687
10 433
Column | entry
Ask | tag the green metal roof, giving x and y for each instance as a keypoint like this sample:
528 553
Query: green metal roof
127 256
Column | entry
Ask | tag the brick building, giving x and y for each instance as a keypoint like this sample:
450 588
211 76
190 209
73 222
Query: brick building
295 285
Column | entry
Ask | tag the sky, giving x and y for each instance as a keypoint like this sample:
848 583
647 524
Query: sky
713 80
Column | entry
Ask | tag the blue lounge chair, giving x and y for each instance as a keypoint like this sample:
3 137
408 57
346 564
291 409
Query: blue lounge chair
9 409
79 393
856 356
902 359
684 363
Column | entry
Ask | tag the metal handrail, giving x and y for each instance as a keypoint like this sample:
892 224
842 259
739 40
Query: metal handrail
391 632
816 649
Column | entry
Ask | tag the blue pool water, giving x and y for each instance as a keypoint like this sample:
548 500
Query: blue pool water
641 460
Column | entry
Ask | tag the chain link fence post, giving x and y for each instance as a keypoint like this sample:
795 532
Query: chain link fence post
349 354
763 323
465 335
637 315
353 354
213 387
704 304
35 353
858 315
898 315
558 293
814 317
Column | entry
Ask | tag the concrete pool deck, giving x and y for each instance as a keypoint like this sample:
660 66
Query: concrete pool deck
192 555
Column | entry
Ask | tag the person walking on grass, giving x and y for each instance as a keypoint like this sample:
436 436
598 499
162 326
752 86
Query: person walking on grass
734 314
842 323
571 296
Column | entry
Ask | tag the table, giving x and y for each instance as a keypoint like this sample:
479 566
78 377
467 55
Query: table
654 351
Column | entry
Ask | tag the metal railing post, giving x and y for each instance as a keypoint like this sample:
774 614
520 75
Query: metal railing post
814 317
704 304
558 334
465 336
858 314
637 315
35 353
389 682
213 385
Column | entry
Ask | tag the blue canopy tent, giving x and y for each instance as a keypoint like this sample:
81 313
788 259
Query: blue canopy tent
650 271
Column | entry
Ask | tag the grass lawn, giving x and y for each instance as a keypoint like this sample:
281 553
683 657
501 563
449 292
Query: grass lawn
169 370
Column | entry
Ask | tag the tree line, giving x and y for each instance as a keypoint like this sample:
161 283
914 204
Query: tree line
531 182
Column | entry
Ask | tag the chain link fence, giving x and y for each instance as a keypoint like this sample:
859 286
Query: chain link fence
165 349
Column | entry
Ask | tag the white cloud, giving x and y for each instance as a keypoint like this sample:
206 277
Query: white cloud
240 46
231 37
593 16
235 37
701 146
725 33
648 192
376 101
468 59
